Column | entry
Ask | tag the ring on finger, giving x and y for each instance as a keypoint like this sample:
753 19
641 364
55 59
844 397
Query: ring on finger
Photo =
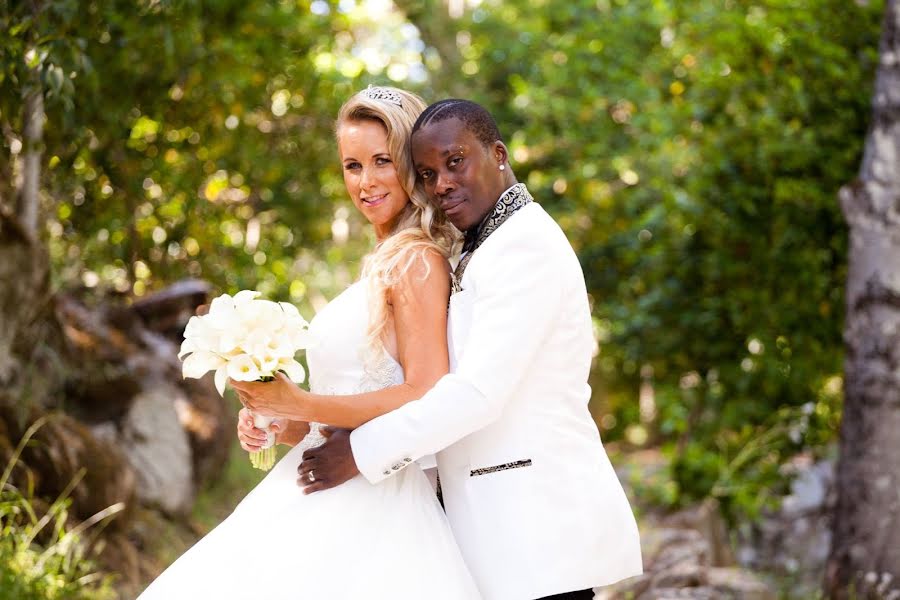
311 476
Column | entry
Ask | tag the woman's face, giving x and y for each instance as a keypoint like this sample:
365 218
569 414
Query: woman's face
370 175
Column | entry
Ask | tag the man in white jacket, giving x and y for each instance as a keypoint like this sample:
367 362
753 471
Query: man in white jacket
532 499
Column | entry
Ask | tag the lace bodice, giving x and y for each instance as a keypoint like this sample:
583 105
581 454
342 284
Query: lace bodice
340 363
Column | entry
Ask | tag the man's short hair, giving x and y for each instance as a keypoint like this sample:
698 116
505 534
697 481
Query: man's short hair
475 117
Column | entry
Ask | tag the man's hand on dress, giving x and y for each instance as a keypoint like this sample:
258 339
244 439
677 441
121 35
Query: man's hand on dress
330 464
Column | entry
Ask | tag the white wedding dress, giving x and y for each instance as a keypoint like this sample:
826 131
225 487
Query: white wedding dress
388 541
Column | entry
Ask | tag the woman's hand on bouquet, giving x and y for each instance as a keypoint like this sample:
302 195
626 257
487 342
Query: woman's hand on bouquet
252 438
276 398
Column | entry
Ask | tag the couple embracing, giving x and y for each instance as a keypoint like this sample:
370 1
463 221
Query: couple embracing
495 390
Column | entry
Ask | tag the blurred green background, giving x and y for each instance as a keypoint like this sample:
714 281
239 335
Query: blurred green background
691 150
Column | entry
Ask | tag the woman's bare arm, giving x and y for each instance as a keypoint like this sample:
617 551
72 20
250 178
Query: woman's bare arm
419 303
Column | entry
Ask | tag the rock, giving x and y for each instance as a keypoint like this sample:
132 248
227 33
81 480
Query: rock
118 555
809 489
679 562
794 542
210 425
106 432
682 575
657 539
698 583
32 353
6 446
168 310
679 594
739 584
158 449
631 588
63 449
133 429
126 354
677 546
706 518
202 412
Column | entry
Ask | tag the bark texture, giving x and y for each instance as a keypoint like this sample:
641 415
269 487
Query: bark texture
29 197
865 554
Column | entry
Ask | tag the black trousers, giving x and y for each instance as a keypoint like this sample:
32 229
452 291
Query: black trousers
579 595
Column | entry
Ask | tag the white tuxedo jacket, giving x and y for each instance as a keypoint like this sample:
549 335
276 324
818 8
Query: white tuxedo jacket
530 494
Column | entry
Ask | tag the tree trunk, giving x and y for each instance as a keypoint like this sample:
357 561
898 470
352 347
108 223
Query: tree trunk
29 195
29 334
865 554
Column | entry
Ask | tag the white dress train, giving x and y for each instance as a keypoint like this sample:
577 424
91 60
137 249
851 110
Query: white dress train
358 540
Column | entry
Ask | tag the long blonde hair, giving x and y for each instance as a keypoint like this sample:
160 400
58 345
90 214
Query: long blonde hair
419 227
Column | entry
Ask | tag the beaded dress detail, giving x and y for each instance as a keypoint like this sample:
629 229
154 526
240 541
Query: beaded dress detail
341 364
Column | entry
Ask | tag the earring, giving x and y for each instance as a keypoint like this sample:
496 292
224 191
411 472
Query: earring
502 167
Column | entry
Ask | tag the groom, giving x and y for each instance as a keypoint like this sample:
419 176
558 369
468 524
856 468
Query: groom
530 494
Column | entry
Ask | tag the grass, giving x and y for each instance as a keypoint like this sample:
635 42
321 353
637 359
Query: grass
42 557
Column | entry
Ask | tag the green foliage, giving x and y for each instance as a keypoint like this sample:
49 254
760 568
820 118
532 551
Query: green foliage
42 557
693 152
194 139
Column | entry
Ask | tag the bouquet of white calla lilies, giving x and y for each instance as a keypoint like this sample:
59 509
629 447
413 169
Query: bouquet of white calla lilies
246 339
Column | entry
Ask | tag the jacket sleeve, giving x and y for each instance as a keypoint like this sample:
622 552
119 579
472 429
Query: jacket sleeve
518 289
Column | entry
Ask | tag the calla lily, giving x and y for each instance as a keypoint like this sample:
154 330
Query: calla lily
257 342
221 378
228 342
223 303
247 339
242 368
197 327
292 369
303 338
266 363
187 346
245 296
200 363
282 346
291 312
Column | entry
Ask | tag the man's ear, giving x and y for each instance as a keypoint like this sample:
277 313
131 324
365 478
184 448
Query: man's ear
501 153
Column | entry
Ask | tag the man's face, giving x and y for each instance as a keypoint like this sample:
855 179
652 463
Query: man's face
459 173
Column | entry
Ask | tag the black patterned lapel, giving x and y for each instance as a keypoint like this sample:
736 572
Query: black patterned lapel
511 201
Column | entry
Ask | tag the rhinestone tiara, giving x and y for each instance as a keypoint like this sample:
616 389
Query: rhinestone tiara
383 94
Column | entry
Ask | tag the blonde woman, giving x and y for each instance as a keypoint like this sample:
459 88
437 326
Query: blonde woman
386 330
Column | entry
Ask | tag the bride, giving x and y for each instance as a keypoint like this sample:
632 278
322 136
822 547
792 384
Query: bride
358 540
